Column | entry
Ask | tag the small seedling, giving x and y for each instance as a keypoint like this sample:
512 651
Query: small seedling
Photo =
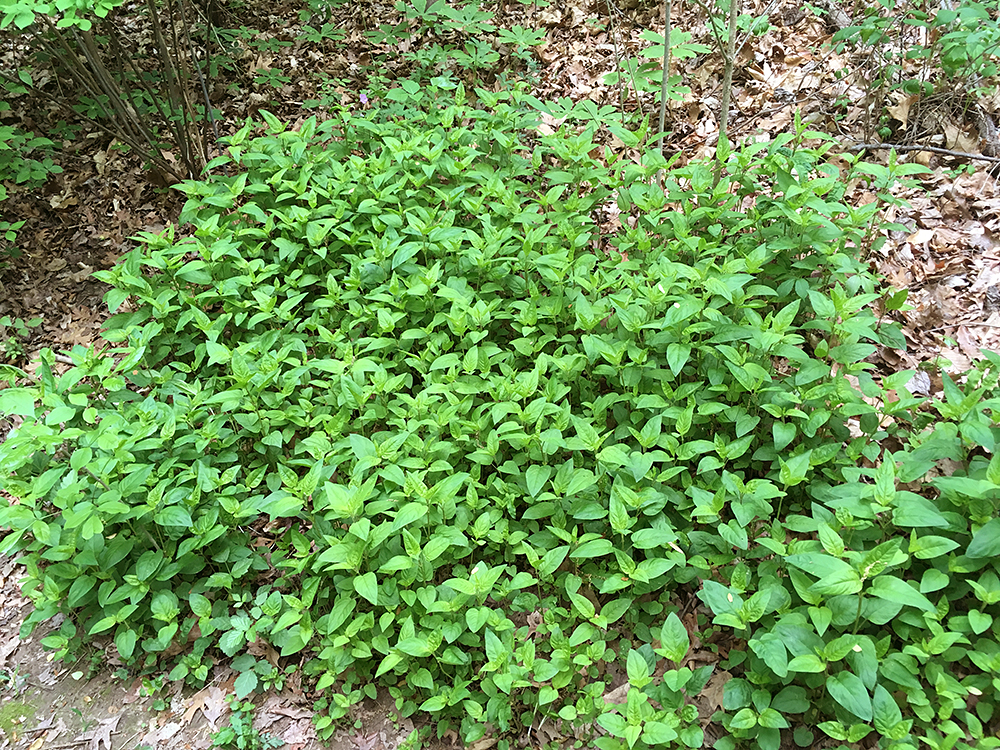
240 734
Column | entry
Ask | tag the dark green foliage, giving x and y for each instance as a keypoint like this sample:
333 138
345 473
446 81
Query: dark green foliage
240 734
19 166
962 43
403 405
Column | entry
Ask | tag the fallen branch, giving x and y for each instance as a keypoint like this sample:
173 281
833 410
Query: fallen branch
959 325
932 149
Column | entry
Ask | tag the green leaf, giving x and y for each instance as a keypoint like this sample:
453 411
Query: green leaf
833 729
653 538
593 548
736 694
551 560
677 357
818 564
979 621
435 703
613 723
985 542
200 604
367 586
849 691
231 641
838 583
218 353
245 684
913 510
476 618
849 354
389 662
415 646
720 598
745 718
885 711
613 610
783 433
536 476
794 470
929 547
933 580
174 515
830 540
771 649
807 663
771 718
637 669
821 618
125 641
583 605
147 564
674 640
362 447
17 401
658 733
791 700
896 590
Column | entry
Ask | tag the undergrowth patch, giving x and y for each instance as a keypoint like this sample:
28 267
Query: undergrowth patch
402 409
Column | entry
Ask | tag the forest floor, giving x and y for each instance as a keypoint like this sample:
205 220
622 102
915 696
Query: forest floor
945 251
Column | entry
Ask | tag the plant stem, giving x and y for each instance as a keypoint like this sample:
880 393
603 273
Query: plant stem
727 85
667 10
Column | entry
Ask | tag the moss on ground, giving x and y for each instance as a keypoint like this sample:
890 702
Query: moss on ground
15 715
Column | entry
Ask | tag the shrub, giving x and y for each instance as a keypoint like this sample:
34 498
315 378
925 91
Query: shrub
18 167
403 406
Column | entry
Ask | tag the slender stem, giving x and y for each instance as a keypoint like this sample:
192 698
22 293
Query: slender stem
664 85
727 86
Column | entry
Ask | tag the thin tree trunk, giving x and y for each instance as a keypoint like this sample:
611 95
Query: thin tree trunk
727 86
664 86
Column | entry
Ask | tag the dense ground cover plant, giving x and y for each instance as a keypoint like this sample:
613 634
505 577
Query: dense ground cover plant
403 409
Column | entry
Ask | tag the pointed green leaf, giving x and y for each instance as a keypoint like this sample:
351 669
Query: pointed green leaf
849 691
986 541
367 586
897 590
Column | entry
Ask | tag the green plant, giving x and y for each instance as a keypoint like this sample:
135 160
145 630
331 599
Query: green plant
273 77
13 333
400 408
414 741
325 32
19 167
647 76
83 41
240 733
257 674
961 53
13 680
672 722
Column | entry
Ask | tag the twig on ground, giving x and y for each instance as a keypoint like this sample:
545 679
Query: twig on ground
932 149
959 325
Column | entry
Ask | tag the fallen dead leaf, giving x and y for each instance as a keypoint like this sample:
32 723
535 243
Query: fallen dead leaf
101 734
711 694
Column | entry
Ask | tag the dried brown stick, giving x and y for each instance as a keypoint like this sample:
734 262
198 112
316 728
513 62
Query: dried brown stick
932 149
959 325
